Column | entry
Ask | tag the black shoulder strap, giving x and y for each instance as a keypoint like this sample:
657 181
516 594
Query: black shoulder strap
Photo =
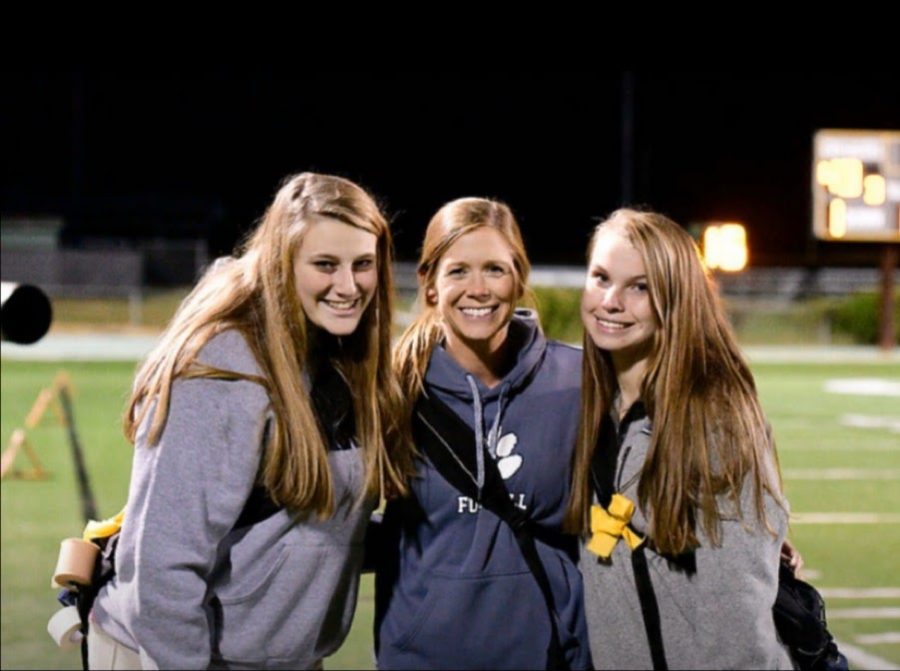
448 442
603 470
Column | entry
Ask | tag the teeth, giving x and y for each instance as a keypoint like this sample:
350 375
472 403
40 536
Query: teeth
341 305
477 312
610 325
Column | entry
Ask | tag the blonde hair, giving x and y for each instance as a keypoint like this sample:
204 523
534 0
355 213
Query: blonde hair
254 293
454 220
709 432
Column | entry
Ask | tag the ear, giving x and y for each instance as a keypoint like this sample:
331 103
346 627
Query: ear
431 295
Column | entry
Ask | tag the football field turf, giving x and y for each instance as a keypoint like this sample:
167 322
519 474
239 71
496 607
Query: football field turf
837 427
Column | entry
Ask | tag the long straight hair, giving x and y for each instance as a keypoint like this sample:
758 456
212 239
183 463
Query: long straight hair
255 294
709 433
454 220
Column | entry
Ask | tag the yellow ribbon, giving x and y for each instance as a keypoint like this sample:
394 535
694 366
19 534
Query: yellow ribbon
95 530
610 524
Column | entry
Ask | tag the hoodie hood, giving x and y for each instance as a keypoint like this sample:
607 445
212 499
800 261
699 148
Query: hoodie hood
471 398
448 378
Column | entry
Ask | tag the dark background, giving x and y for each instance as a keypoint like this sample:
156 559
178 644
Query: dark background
200 153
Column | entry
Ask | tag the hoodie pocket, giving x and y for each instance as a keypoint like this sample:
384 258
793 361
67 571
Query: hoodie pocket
252 586
495 622
298 612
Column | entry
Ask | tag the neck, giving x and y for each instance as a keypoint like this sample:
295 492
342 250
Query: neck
629 376
486 360
321 346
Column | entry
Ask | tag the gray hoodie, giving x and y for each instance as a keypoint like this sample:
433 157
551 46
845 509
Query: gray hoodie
718 616
191 591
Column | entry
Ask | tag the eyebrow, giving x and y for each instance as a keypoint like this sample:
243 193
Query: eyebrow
486 262
331 257
597 267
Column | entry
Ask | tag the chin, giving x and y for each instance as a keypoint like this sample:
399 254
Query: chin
606 342
340 328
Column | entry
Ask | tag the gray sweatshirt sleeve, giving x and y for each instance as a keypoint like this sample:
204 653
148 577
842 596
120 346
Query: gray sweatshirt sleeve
186 494
738 582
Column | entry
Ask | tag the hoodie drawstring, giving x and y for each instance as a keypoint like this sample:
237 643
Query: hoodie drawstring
493 434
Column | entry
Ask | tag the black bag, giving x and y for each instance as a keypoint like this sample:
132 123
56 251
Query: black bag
799 614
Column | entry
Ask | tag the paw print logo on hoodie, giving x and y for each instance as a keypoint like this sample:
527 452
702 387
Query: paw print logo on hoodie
507 462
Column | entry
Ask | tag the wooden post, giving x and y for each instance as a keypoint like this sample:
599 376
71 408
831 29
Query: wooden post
46 398
19 441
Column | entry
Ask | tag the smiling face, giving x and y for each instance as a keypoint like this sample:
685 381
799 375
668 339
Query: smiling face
475 291
615 307
335 274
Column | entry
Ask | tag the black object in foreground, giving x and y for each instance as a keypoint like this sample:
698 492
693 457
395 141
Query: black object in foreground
26 313
800 619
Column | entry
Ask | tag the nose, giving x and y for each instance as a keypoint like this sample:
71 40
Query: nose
612 300
345 281
477 286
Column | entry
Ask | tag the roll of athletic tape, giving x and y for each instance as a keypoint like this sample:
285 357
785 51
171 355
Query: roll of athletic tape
75 563
65 628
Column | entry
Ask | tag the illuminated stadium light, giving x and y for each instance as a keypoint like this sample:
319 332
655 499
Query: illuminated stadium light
725 247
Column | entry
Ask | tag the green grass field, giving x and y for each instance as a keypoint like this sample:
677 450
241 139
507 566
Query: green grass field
36 515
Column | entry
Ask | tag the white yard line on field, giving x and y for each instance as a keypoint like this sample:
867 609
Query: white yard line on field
863 386
860 592
860 659
845 518
871 422
876 639
887 613
840 474
846 447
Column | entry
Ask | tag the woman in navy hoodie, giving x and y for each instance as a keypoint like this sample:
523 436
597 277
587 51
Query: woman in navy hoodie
453 587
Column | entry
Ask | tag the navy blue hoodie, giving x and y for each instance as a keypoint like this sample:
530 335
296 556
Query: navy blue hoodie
453 590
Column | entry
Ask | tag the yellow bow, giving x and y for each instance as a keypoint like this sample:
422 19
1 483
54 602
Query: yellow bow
610 524
103 529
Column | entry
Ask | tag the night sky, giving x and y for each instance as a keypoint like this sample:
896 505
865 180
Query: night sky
200 153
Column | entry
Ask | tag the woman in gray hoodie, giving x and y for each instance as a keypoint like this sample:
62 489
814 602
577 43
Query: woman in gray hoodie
688 515
255 467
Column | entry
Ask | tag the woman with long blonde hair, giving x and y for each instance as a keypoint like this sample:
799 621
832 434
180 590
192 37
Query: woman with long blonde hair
455 589
261 424
675 474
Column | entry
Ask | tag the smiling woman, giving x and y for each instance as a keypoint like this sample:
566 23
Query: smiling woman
455 589
475 292
261 424
336 274
675 478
